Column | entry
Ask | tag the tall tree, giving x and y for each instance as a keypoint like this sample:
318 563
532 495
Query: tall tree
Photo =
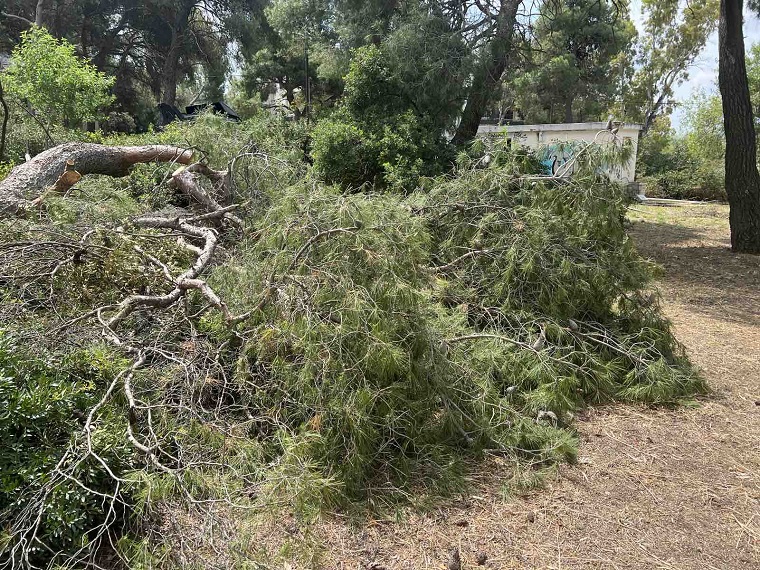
297 48
742 176
495 22
575 60
153 44
674 34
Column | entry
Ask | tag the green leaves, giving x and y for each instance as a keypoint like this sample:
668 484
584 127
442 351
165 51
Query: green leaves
59 86
381 134
674 35
42 410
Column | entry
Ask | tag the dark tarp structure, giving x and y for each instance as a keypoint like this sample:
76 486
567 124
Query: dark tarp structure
171 113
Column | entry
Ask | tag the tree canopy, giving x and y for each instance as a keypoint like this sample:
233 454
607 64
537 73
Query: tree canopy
578 59
673 37
60 87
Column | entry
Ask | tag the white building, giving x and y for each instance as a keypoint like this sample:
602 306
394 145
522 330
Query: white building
547 137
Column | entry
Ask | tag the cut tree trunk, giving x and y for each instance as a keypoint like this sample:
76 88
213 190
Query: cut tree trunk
25 184
742 177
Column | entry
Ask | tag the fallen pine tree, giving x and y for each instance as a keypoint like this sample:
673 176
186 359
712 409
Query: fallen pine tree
264 341
60 167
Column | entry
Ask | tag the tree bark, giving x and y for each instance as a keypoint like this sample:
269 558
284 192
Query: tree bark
488 72
4 128
742 177
44 15
27 181
179 27
569 110
169 75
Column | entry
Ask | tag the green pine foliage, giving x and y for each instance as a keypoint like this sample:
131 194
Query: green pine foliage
393 339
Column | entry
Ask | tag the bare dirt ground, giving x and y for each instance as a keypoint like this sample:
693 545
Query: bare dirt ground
654 488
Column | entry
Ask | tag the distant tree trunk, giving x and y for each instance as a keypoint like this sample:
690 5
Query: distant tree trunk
4 128
742 177
44 14
569 110
169 75
179 25
652 114
488 72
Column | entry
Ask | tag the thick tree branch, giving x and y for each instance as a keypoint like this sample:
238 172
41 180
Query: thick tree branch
16 17
30 180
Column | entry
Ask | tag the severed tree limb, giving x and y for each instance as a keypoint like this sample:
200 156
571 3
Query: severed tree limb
184 179
28 181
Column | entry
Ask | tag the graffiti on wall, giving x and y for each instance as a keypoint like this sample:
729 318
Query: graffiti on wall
555 156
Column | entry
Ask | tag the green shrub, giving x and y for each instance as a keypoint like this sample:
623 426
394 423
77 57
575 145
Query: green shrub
688 167
45 406
378 135
5 168
702 182
62 88
341 154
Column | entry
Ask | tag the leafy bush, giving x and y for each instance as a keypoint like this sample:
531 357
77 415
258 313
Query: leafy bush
62 88
342 154
688 167
44 408
700 183
5 168
378 135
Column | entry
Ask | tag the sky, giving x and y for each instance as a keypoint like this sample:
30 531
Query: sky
704 73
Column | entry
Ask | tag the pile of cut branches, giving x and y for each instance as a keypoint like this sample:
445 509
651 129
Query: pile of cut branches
287 345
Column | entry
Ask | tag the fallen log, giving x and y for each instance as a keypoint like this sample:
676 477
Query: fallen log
47 171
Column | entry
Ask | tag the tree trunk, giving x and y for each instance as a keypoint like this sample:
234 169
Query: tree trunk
44 15
179 26
29 180
4 128
569 110
742 177
169 76
488 72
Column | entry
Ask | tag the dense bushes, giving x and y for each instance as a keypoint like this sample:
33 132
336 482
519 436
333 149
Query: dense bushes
689 166
44 406
47 77
379 135
696 183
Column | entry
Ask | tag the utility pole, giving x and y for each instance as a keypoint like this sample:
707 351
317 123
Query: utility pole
307 83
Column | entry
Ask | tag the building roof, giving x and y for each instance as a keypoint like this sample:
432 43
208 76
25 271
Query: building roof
594 126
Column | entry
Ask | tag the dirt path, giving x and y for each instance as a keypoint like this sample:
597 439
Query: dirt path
653 488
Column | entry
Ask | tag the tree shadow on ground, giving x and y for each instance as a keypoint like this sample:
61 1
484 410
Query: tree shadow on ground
700 270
